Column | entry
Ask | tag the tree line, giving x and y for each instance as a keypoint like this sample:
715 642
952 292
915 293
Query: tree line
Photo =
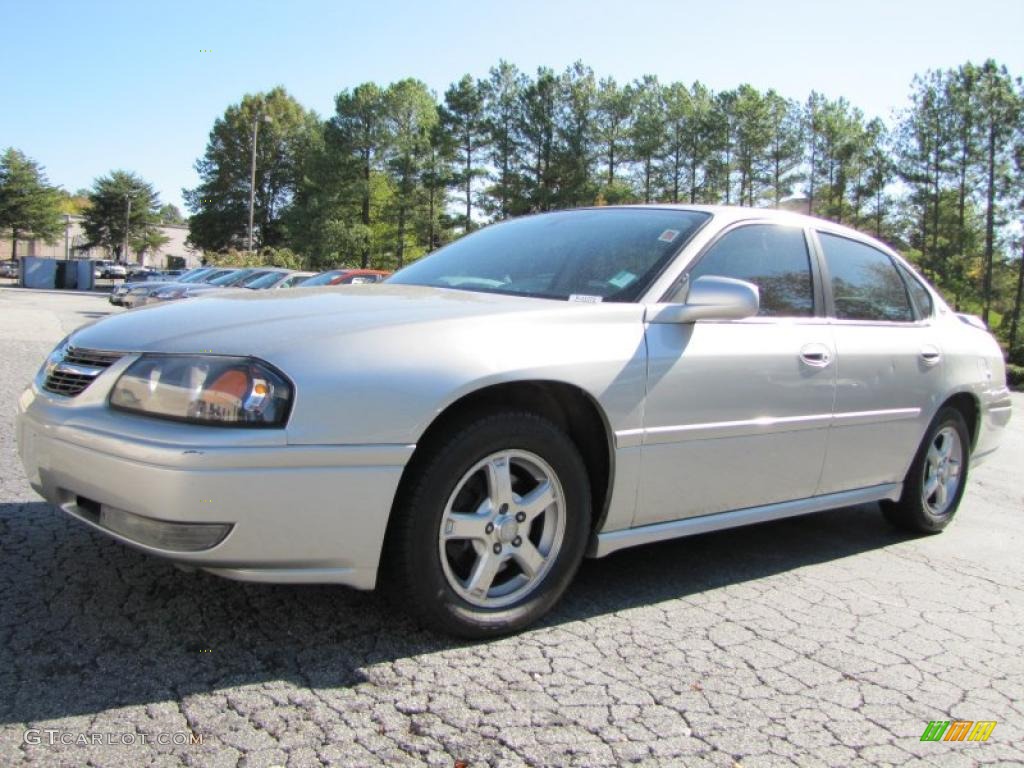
120 207
397 171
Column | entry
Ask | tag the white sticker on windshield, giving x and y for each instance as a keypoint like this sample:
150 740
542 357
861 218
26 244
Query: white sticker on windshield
584 298
669 235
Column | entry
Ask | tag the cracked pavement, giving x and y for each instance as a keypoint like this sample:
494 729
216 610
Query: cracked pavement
824 640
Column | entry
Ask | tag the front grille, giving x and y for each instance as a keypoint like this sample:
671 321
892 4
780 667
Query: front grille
93 357
76 371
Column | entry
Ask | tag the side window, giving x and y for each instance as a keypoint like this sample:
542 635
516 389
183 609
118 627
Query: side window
918 292
865 283
773 258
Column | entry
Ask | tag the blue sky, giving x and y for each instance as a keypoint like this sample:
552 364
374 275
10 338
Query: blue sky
92 86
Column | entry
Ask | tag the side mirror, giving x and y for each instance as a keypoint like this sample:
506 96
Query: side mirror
710 298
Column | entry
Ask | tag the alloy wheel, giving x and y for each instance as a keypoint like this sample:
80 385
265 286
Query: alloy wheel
942 471
502 528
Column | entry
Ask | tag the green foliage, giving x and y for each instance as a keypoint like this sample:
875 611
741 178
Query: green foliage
74 204
29 206
121 206
411 118
283 131
169 214
462 138
647 132
151 240
1015 376
264 257
394 173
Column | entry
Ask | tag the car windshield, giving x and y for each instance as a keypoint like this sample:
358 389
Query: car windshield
322 279
194 277
209 277
262 280
231 278
601 254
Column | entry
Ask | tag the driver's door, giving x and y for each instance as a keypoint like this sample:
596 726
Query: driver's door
737 412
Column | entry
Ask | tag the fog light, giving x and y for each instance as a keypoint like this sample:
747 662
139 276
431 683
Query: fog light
179 537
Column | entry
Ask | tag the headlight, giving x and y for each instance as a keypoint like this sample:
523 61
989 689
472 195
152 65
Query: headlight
205 389
54 358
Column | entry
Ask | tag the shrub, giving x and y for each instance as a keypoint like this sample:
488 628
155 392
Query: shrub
1015 376
265 257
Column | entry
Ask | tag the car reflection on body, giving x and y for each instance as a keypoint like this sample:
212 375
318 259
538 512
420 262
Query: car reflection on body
548 387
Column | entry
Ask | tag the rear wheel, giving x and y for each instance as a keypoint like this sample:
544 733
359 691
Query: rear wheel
935 482
491 527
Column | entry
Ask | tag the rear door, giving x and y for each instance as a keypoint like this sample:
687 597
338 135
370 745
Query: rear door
889 366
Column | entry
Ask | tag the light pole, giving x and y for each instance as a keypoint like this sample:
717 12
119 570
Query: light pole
252 169
127 225
67 236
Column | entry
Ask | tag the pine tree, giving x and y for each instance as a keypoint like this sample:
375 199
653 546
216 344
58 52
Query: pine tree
220 204
122 206
29 206
503 106
464 133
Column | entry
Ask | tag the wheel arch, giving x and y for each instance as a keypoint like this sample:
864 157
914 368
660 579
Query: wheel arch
566 405
969 406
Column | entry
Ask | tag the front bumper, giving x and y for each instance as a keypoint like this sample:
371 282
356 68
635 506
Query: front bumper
296 513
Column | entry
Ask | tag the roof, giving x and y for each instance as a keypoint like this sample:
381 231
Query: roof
733 213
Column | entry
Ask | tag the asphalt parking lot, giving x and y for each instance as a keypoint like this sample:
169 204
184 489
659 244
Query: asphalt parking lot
825 640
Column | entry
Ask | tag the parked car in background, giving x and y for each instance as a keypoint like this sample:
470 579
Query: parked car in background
145 293
118 292
228 278
346 277
8 268
140 272
280 279
109 270
549 386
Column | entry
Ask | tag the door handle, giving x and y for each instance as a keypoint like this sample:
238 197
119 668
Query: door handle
930 355
817 355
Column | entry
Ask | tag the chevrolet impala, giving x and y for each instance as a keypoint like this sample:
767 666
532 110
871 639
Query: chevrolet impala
546 388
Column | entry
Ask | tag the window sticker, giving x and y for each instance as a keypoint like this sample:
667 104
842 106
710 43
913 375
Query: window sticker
668 235
584 298
622 279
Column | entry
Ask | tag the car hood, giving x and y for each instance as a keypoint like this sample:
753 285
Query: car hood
260 322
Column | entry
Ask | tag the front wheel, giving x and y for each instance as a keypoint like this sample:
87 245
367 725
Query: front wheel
491 527
935 482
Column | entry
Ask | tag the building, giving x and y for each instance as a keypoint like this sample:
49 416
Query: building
174 254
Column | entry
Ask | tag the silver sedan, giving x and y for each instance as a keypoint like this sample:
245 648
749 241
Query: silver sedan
546 388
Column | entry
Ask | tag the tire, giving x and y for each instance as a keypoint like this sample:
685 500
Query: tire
467 552
917 511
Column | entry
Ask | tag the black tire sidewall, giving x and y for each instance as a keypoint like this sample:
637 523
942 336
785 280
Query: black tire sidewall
431 595
924 518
